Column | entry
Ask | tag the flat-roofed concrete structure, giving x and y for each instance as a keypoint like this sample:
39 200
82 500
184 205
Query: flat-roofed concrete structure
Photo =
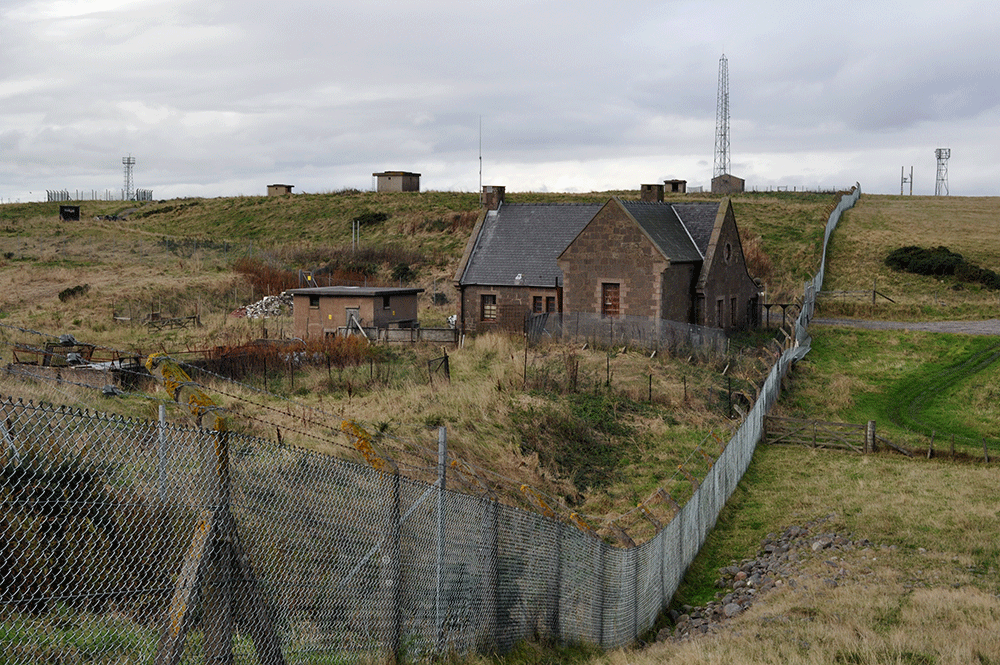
324 310
279 190
397 181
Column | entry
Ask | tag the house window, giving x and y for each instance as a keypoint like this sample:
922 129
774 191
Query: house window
536 304
550 304
385 302
610 299
719 313
732 312
488 307
313 302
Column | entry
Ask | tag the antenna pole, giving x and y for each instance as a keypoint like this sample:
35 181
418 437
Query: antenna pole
480 160
722 165
941 185
129 193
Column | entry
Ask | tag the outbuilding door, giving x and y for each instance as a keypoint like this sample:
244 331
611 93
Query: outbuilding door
353 317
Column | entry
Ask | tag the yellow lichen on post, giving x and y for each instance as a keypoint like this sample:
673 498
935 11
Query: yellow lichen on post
185 391
582 524
363 443
536 499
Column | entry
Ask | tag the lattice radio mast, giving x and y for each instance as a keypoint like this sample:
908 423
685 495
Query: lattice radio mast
941 184
129 192
722 121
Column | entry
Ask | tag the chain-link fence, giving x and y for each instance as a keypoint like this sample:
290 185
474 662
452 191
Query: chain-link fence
640 331
128 541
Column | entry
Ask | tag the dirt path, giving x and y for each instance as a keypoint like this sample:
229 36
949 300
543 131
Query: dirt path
990 327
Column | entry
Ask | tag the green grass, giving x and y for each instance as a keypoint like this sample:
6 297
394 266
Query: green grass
912 384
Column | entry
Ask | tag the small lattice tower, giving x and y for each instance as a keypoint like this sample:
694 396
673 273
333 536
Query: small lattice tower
129 191
941 184
722 121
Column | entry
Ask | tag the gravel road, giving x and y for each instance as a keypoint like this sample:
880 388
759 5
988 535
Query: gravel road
990 327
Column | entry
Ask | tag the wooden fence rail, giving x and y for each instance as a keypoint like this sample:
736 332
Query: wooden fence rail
814 433
821 434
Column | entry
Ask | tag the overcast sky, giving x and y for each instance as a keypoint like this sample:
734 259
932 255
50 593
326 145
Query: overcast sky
225 97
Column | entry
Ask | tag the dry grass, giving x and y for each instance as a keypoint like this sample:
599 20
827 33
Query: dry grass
925 592
879 224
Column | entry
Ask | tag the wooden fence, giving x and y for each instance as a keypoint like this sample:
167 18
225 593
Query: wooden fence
845 436
815 433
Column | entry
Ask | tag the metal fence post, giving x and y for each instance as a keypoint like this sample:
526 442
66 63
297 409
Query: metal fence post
556 586
161 456
601 575
396 569
634 551
442 476
489 565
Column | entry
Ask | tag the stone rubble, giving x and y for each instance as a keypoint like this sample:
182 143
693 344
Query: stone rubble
267 307
776 566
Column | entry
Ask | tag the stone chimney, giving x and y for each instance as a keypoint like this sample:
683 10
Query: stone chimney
651 193
493 196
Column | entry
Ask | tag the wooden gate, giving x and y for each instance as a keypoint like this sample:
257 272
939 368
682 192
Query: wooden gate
814 433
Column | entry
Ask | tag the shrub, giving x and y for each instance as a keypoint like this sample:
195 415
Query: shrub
937 261
265 277
371 217
73 292
940 261
401 272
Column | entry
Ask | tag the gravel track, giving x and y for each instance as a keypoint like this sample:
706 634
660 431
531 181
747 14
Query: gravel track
989 327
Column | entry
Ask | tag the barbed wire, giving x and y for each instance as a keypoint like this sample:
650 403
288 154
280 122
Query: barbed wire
514 488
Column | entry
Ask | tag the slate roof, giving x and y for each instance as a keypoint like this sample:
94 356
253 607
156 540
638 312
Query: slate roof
661 222
525 239
699 219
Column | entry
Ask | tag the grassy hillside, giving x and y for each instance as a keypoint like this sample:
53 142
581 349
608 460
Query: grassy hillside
544 417
879 224
598 428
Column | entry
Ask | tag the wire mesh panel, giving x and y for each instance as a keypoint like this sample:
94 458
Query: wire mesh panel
91 519
581 589
649 585
619 599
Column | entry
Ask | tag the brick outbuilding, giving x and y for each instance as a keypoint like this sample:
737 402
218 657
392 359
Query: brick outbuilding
324 310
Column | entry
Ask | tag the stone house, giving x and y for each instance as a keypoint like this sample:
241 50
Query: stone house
324 310
509 268
675 261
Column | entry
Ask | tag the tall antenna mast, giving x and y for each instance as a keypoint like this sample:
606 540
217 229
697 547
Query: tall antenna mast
722 166
129 193
480 160
941 184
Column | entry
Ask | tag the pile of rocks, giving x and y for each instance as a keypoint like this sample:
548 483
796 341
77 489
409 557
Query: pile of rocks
742 584
267 307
